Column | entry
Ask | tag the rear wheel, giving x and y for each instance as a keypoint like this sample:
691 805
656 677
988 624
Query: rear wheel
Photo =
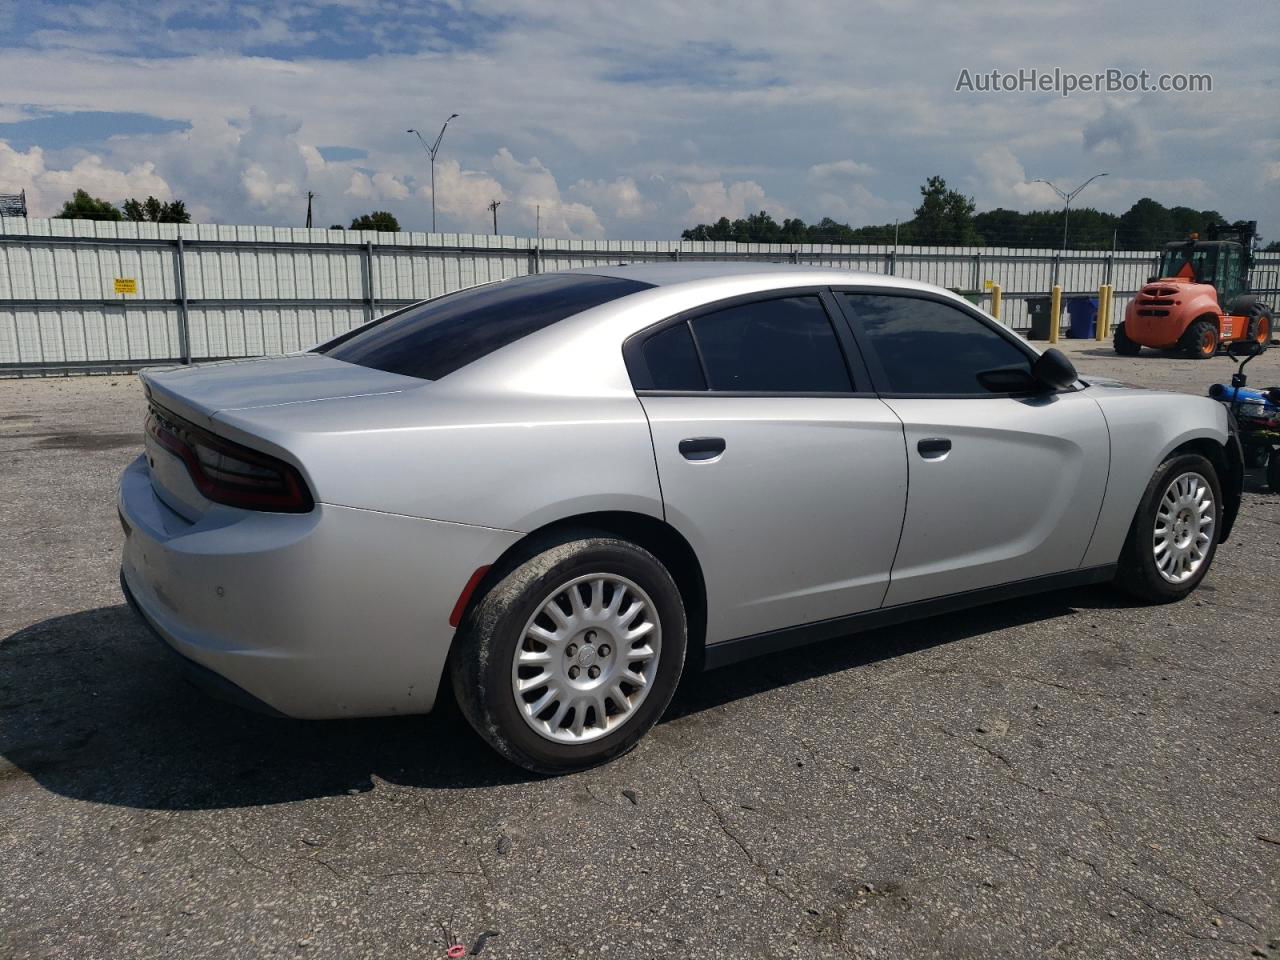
1200 340
1174 533
1261 325
573 655
1123 345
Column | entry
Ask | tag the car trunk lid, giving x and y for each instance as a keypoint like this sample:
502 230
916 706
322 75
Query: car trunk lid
199 393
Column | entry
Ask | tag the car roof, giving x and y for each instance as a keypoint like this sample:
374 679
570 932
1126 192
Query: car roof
779 274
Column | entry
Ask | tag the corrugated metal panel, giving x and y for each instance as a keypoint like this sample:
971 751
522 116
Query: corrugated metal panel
251 291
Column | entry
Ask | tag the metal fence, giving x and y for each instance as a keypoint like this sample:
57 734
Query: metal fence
80 295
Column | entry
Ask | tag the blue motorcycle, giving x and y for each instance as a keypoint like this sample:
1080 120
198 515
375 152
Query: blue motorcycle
1256 412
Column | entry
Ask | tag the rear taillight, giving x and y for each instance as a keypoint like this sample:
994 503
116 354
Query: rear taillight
229 473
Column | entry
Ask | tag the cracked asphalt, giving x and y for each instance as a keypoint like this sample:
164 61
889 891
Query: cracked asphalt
1063 776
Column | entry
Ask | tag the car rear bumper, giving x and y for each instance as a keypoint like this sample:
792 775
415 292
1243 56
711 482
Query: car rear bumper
339 612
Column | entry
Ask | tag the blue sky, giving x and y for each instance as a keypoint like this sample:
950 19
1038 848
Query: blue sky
625 119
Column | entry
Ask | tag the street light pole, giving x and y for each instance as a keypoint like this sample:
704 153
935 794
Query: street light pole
431 152
1066 201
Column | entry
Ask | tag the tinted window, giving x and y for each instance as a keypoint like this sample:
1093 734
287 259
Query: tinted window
432 340
672 361
929 347
785 345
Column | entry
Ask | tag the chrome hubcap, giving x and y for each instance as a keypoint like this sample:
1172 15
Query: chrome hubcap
587 659
1184 527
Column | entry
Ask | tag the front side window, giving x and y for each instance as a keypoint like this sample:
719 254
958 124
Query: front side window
930 347
440 336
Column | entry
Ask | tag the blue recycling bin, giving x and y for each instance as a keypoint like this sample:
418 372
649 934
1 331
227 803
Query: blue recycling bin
1083 314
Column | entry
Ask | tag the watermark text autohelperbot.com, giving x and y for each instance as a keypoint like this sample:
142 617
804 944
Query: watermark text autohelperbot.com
1065 82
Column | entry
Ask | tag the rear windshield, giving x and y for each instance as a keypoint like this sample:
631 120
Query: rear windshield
434 339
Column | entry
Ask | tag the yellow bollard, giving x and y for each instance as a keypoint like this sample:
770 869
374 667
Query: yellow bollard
995 300
1055 313
1100 325
1106 330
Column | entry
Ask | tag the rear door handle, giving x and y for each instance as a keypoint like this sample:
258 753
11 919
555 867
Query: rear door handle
701 448
934 448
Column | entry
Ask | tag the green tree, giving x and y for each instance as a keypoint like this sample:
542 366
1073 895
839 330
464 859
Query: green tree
152 210
81 206
1146 225
944 216
379 220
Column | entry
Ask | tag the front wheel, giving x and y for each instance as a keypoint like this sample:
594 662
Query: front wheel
1174 533
1200 340
1123 345
571 657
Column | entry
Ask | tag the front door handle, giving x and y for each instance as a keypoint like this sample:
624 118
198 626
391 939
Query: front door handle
934 448
701 448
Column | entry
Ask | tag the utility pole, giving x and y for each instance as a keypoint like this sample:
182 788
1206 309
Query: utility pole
1066 201
493 206
310 196
431 152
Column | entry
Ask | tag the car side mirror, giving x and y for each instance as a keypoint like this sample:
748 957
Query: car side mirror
1053 371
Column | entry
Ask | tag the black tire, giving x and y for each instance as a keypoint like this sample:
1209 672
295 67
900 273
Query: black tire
482 660
1262 325
1242 304
1122 344
1273 472
1256 456
1137 572
1200 340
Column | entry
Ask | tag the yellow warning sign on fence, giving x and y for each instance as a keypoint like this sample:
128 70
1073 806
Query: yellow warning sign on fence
126 284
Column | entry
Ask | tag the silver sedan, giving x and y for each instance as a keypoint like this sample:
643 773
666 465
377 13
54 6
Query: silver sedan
559 492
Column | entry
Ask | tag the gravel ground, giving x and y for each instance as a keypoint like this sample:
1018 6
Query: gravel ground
1064 776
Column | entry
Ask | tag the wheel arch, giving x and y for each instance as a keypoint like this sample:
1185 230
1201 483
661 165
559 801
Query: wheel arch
653 534
1228 460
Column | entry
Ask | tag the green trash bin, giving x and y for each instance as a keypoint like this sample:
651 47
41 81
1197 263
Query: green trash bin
1038 311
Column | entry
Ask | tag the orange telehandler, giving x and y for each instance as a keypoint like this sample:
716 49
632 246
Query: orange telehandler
1200 299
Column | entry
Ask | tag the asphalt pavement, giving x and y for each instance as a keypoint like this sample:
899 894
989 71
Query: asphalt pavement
1070 775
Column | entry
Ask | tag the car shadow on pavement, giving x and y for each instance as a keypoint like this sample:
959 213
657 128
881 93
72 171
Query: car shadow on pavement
93 708
716 687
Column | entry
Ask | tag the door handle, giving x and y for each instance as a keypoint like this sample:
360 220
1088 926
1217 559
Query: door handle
701 448
934 448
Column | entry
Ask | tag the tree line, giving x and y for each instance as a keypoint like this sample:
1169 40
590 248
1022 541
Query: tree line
946 217
84 206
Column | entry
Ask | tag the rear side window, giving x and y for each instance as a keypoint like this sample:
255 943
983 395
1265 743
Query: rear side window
434 339
928 347
785 345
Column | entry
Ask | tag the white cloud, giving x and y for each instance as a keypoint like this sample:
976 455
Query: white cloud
47 187
773 112
1006 184
840 169
709 201
620 198
1117 131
